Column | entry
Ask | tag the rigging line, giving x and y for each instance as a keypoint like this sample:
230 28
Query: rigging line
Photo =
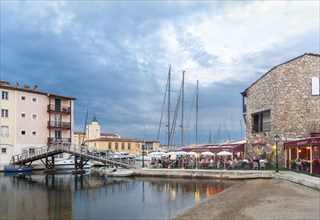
163 104
174 122
182 108
197 106
188 120
85 126
226 130
169 88
219 134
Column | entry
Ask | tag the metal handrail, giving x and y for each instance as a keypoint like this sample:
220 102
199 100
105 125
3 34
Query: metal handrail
57 148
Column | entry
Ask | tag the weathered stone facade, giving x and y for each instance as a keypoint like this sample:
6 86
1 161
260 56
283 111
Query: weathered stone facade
281 102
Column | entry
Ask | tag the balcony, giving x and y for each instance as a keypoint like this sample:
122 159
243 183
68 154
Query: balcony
58 140
59 124
61 109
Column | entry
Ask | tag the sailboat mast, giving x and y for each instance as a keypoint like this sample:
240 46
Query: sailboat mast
169 85
182 107
197 106
85 127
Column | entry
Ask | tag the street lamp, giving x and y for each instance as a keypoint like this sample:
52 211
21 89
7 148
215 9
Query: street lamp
143 154
277 139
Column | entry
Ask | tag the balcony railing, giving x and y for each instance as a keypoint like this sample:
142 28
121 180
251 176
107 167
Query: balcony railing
58 140
62 109
59 124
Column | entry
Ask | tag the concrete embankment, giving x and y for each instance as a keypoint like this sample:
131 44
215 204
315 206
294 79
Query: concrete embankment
198 174
299 178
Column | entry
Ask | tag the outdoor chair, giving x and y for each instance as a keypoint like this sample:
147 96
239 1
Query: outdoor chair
255 165
262 165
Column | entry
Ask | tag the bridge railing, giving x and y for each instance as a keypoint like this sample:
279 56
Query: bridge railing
45 150
57 148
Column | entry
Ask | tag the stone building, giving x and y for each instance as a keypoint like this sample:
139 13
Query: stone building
106 142
284 101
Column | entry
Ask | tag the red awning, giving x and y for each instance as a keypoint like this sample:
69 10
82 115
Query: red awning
302 142
258 142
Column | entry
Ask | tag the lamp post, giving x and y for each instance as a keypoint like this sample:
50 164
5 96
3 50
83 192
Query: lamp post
143 154
277 139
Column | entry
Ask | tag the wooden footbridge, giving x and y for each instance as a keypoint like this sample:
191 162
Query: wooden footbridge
46 156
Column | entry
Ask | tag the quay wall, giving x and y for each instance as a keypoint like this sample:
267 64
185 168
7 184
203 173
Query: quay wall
298 178
205 174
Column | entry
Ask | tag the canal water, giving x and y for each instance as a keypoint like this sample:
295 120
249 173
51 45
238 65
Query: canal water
90 196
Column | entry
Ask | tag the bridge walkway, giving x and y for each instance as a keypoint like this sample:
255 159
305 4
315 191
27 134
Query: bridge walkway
79 151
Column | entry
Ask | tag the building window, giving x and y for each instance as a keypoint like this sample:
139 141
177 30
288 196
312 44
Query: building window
23 132
122 146
315 81
109 146
57 134
23 115
34 100
129 146
58 156
23 98
4 131
34 117
116 146
31 150
261 121
4 95
4 113
34 133
4 150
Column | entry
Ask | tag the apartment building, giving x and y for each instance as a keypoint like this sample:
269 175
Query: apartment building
285 102
31 118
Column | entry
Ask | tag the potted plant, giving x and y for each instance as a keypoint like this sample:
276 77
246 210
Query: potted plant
315 161
293 164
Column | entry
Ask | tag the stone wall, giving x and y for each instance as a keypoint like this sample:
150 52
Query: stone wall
286 91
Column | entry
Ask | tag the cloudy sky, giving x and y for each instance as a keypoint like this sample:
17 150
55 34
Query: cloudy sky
114 56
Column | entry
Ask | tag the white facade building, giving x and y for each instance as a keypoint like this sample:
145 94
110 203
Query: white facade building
30 118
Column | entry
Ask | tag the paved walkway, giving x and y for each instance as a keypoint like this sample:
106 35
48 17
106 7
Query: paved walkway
303 179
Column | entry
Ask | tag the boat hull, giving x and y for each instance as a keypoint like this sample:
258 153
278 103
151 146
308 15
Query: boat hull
145 158
121 174
69 165
17 169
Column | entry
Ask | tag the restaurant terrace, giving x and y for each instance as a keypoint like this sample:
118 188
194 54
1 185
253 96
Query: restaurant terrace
303 155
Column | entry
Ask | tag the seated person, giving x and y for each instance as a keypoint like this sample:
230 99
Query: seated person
191 163
235 163
211 163
203 162
220 163
244 163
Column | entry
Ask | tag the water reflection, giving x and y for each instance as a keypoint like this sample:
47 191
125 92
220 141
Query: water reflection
90 196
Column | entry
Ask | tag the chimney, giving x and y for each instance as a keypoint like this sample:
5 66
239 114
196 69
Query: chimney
17 84
35 88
